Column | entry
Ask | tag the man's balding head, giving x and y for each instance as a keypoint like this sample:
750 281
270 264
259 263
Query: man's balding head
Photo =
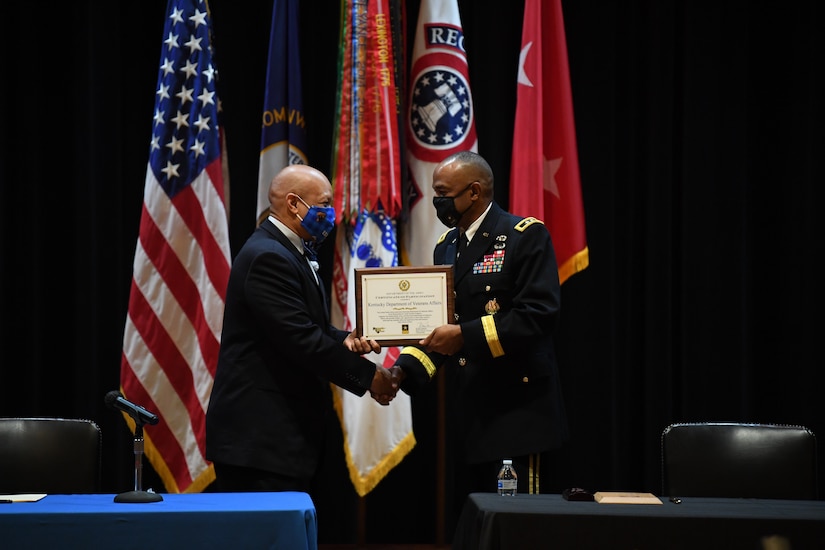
290 186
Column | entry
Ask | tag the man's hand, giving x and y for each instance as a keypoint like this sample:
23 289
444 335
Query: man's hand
446 340
361 344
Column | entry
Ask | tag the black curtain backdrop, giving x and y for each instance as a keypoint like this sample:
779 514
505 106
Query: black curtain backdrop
701 145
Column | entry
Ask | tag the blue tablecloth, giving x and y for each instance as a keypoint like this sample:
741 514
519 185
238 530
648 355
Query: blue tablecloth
203 520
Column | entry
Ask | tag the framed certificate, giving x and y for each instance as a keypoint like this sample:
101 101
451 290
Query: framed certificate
401 305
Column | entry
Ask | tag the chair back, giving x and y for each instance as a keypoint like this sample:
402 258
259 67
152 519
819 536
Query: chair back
739 460
50 455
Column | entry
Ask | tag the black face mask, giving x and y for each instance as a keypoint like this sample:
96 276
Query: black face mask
446 211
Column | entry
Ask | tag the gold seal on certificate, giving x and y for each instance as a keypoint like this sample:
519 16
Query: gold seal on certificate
401 305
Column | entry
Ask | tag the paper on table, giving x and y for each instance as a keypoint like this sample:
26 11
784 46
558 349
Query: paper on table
22 497
613 497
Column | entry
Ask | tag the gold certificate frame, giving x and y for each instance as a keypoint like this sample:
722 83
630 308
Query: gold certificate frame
401 305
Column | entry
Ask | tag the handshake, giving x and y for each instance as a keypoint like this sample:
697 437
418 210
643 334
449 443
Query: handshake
385 383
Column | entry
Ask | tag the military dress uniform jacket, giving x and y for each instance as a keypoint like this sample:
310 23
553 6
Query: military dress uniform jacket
503 393
271 397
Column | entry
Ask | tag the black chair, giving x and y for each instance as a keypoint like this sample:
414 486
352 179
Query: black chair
50 455
739 460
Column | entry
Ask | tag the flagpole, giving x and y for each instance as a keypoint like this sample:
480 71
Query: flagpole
361 526
440 459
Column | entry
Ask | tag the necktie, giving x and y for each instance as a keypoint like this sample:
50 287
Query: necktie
460 246
309 252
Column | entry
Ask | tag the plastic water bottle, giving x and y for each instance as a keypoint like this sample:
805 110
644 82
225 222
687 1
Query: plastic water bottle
507 479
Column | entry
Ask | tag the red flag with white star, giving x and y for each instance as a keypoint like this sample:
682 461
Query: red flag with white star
544 178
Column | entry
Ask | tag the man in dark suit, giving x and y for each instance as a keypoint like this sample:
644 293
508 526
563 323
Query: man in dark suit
503 394
271 398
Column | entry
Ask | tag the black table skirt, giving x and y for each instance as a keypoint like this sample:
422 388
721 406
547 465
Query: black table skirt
492 522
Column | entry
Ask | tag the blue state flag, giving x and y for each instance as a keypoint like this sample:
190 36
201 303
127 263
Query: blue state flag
283 129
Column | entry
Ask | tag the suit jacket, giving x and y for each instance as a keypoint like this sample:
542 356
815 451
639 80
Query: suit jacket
278 354
504 398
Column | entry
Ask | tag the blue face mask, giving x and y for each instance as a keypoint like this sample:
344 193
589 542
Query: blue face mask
319 221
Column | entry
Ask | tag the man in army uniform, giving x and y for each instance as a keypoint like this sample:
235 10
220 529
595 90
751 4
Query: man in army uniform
503 395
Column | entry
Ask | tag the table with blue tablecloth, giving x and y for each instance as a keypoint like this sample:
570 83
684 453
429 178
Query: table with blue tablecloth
283 520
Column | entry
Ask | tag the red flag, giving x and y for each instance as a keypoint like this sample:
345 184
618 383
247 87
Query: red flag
367 153
182 258
544 179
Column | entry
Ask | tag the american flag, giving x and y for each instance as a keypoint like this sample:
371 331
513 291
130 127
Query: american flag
182 257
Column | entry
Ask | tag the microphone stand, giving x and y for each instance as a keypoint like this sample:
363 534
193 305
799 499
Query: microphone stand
138 495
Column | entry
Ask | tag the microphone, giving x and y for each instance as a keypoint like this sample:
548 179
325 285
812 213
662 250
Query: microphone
115 400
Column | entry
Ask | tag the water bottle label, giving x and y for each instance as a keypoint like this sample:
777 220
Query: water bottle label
507 484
